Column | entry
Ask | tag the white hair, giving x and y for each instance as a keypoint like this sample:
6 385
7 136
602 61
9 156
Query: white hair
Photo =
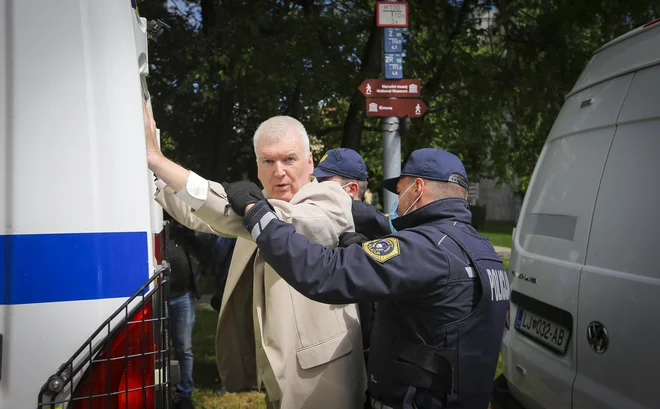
277 128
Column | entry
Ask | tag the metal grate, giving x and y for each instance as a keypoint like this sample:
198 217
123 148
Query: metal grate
125 364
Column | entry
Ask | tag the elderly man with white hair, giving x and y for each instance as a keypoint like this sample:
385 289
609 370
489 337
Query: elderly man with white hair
306 354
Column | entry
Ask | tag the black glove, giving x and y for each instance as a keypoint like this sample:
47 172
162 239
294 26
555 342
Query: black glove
348 238
241 194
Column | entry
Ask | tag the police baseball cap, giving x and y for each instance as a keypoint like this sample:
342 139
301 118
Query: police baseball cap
431 164
342 162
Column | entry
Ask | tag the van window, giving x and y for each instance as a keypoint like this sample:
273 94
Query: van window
626 219
560 201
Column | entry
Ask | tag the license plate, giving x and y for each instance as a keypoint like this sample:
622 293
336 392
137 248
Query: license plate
546 332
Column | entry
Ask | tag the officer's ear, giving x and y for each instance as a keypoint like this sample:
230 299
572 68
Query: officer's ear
419 185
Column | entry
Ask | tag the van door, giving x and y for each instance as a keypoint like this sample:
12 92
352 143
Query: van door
550 245
618 333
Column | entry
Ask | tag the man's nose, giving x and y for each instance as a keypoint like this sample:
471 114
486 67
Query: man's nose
279 169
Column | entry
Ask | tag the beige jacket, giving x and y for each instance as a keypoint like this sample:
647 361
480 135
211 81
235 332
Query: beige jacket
306 354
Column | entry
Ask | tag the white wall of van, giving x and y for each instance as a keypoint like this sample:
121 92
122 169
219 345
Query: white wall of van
76 236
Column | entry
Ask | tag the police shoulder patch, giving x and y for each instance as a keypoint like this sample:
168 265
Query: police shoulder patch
382 250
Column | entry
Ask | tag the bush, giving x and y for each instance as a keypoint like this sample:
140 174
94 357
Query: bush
478 216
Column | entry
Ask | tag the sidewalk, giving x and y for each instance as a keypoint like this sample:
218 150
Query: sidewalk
504 252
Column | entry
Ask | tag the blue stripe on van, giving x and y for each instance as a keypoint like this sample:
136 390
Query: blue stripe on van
38 268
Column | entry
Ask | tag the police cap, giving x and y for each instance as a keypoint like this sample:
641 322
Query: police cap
342 162
431 164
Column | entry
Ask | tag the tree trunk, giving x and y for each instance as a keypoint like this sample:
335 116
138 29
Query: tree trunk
370 67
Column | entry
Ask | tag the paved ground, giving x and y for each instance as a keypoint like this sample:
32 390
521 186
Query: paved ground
504 252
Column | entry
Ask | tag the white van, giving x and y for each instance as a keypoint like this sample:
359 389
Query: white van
584 319
82 303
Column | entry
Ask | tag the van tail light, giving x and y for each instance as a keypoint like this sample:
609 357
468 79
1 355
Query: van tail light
649 24
121 373
158 246
125 363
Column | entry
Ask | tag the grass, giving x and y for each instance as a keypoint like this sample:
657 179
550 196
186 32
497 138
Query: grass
499 233
205 372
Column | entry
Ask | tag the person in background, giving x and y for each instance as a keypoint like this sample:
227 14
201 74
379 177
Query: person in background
346 167
184 284
222 252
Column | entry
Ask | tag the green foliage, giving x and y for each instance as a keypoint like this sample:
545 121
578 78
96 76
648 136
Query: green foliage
494 75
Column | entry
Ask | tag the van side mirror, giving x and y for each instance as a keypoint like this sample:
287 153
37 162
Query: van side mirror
157 27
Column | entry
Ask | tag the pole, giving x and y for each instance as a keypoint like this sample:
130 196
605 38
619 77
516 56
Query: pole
391 157
391 153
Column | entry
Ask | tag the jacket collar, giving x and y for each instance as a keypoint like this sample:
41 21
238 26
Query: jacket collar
450 209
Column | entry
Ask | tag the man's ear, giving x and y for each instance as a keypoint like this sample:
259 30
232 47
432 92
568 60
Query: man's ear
353 189
310 163
419 184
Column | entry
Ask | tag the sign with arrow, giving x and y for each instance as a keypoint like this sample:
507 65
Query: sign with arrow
397 88
413 108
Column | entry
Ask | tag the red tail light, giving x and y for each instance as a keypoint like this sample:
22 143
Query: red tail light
122 374
158 246
649 24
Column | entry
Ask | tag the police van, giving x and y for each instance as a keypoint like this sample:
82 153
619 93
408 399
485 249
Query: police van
82 298
583 327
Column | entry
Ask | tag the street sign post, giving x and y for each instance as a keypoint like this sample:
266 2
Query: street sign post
391 14
393 66
393 40
404 88
413 108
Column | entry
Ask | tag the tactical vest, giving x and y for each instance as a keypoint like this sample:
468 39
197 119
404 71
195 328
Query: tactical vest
457 370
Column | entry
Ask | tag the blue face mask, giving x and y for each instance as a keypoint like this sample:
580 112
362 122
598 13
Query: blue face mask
395 207
393 215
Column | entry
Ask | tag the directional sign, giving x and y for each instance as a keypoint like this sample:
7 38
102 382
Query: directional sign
393 66
413 108
391 14
382 88
393 40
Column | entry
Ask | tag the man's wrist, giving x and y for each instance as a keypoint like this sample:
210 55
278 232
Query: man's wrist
258 217
248 207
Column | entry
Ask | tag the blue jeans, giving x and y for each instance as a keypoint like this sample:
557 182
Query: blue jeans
182 319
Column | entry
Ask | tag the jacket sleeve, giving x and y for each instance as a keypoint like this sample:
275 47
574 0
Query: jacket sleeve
321 213
398 265
369 221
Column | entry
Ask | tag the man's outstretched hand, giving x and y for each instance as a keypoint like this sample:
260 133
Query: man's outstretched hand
150 133
241 194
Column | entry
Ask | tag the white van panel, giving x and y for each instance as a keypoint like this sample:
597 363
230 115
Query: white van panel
620 285
558 217
621 57
591 108
643 100
73 160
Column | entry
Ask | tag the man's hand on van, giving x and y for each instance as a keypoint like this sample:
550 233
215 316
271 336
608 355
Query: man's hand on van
153 150
169 172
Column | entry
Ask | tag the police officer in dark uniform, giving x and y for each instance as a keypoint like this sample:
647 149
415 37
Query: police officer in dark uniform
441 290
346 167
